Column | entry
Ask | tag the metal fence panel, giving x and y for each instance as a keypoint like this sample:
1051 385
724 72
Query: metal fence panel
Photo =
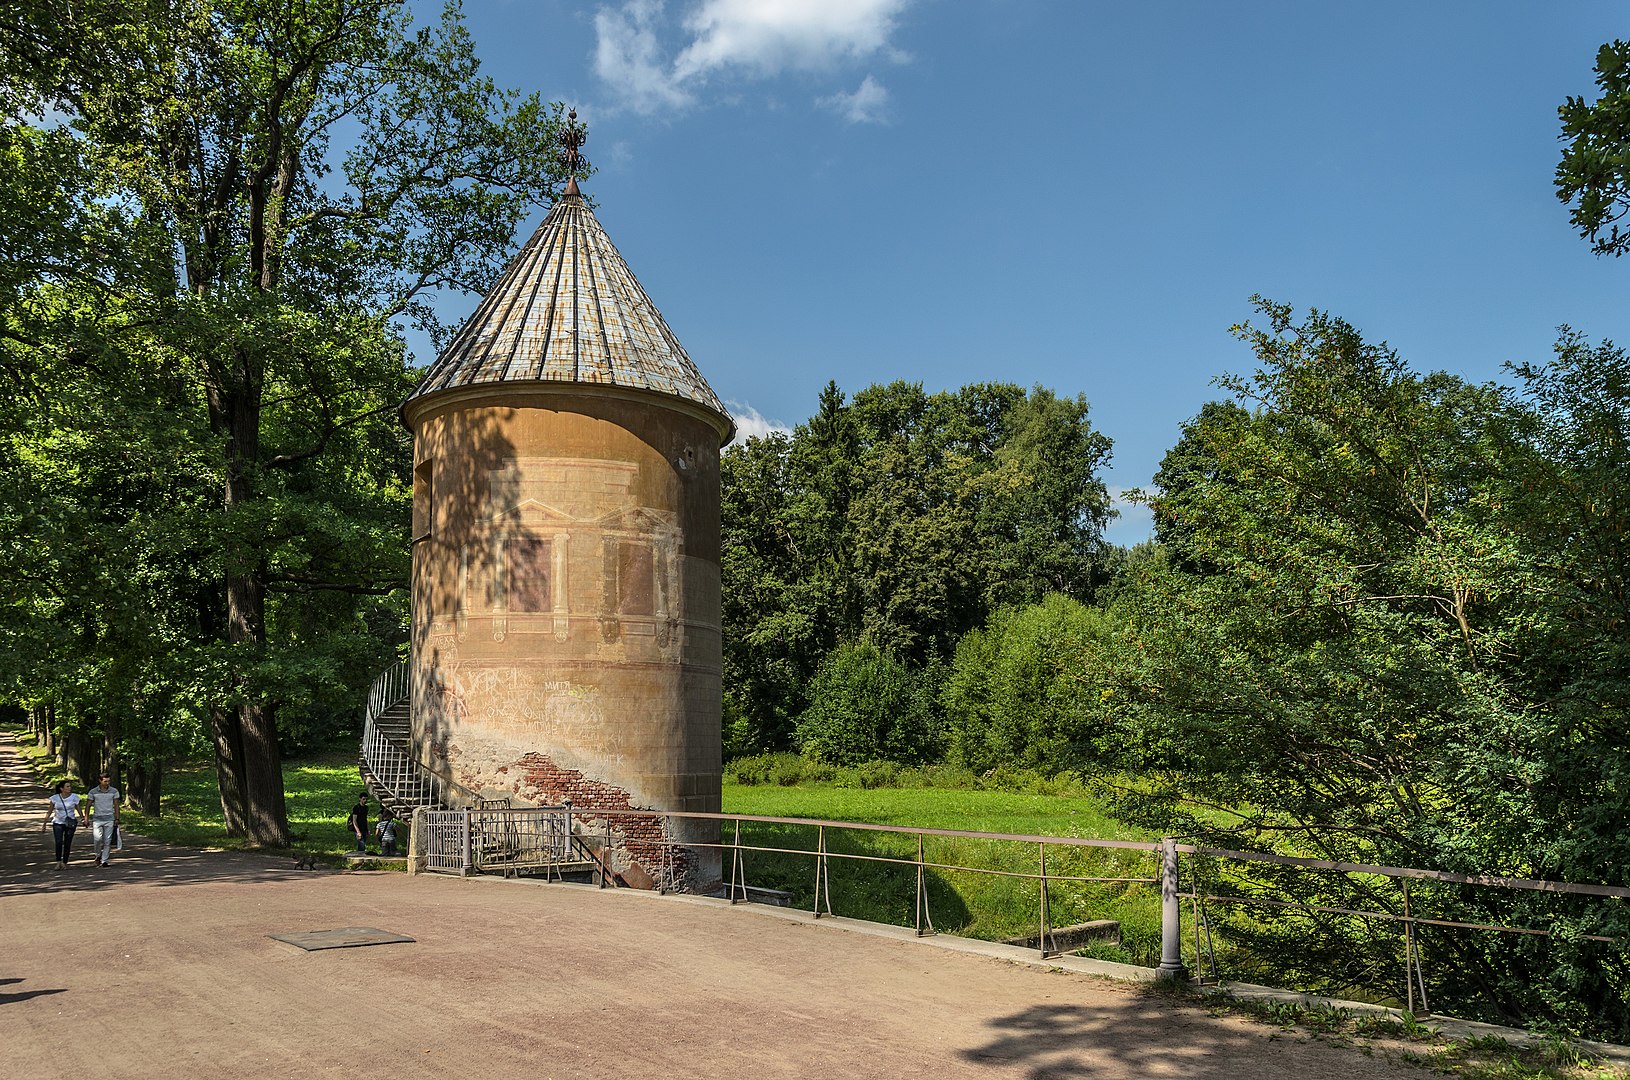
444 846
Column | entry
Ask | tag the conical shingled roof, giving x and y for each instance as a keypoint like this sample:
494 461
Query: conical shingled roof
568 310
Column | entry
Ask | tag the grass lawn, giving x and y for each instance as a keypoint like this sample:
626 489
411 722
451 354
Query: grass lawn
961 902
319 792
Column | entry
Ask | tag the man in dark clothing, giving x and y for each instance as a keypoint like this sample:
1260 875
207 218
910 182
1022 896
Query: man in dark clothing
358 821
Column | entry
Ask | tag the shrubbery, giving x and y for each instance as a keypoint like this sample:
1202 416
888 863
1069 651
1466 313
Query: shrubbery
787 770
1014 694
865 705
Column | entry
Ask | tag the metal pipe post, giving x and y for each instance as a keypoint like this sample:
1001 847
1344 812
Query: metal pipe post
468 861
1171 945
1041 939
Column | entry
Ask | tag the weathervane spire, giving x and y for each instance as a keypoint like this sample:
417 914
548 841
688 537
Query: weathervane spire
571 139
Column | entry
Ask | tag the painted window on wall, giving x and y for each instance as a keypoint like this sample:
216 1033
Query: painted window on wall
422 499
530 574
636 584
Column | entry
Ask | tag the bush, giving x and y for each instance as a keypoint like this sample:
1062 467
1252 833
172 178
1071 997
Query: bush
877 774
866 705
783 769
787 770
1014 694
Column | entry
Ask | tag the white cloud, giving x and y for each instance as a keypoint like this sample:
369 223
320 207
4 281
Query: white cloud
622 154
865 106
769 36
628 56
750 423
755 38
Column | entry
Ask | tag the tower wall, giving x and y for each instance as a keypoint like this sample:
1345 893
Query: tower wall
566 605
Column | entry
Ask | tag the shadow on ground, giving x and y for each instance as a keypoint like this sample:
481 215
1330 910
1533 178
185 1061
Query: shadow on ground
1057 1041
24 995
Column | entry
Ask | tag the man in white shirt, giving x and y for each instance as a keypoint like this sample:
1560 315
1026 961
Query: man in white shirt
104 803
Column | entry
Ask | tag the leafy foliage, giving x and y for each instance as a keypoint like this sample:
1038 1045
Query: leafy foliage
1013 693
214 214
1402 649
903 519
1593 177
866 705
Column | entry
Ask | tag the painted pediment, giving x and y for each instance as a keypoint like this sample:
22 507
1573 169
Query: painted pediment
641 519
530 512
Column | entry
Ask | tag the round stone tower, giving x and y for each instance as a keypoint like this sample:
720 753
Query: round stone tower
566 552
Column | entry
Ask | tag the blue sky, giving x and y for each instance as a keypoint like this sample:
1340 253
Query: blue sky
1079 195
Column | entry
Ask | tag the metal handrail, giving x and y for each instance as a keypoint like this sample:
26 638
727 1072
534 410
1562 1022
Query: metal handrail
389 687
393 765
1167 869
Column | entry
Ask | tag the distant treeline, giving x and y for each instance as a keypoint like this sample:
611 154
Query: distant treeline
1384 620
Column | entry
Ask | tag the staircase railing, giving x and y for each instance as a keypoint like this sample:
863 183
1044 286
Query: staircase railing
392 685
390 762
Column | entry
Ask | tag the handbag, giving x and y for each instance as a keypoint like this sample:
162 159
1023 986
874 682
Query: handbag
118 840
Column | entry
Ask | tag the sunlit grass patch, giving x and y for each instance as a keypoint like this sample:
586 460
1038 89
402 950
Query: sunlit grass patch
965 902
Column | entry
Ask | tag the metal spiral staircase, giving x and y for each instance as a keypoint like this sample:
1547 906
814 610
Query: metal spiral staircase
492 835
389 767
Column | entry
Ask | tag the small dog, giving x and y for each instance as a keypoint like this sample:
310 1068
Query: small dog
306 860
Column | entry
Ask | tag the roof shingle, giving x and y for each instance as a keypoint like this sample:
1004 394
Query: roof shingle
568 309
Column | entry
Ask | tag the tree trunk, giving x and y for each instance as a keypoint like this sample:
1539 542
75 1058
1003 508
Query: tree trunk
235 407
144 782
268 816
225 733
77 756
110 749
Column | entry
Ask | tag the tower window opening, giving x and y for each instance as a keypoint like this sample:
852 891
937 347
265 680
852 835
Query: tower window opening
423 511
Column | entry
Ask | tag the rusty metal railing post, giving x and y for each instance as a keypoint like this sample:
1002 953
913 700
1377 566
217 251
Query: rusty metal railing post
738 873
1413 975
823 873
1171 915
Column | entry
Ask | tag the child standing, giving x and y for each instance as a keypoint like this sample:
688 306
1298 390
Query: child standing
387 832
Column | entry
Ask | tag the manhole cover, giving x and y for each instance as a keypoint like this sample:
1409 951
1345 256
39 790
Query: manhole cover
349 937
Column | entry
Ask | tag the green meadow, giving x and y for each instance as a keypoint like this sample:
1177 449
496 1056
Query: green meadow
961 901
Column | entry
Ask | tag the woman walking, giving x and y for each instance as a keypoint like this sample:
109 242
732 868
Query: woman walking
64 819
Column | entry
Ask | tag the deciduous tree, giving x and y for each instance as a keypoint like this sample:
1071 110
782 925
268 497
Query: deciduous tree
297 175
1593 177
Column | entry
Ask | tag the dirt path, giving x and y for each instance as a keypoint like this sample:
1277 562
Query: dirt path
163 961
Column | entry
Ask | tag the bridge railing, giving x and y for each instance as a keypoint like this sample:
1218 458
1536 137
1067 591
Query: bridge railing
509 841
1045 873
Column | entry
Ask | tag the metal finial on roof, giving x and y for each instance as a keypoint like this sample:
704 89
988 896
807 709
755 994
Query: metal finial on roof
571 138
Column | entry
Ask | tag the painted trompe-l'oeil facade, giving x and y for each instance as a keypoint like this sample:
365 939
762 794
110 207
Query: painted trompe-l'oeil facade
566 551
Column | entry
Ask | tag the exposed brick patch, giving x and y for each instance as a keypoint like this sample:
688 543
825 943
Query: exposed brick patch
639 839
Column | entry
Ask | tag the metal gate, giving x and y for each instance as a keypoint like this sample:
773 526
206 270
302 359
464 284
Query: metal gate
446 840
507 841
